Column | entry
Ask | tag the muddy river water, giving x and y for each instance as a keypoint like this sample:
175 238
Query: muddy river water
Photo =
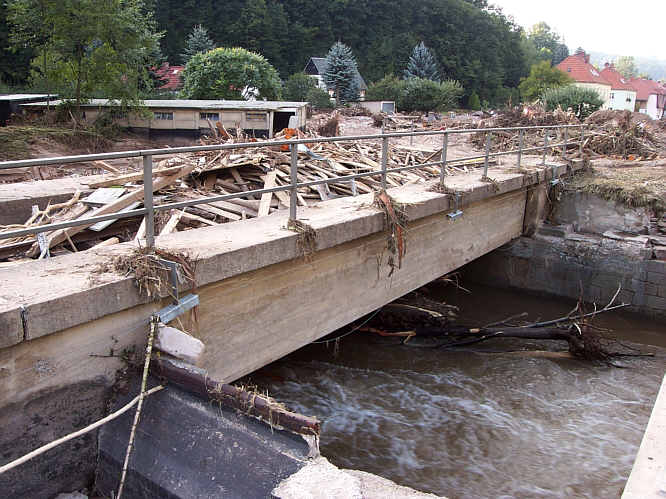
469 424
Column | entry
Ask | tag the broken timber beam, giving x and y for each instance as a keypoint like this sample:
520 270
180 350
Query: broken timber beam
195 380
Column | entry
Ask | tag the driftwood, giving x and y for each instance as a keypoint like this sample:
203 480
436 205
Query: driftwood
196 381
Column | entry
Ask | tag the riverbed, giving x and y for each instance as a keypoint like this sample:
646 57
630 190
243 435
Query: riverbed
479 424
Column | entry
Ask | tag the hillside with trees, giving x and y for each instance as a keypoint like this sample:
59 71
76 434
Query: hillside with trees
466 41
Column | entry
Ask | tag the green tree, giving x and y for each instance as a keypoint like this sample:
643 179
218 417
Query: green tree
627 66
582 101
230 73
542 76
388 88
548 43
297 87
474 103
341 73
428 95
422 64
319 98
197 42
88 47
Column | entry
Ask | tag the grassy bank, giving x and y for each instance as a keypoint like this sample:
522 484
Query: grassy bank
17 142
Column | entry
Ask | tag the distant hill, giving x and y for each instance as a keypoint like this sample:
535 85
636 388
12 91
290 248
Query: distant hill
651 66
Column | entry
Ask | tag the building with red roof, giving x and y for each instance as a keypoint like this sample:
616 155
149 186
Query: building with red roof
578 67
650 97
623 94
171 76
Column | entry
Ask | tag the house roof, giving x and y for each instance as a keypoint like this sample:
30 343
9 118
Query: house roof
644 88
258 105
615 78
579 68
171 75
317 66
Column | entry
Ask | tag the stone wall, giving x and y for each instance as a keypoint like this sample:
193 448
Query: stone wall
597 246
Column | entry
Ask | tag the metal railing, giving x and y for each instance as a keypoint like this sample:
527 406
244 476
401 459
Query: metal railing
149 209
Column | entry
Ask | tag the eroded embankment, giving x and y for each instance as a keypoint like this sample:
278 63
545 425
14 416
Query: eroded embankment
605 229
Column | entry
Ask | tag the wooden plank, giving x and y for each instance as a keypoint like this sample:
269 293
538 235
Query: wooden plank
217 211
234 208
131 177
196 218
264 206
170 226
61 235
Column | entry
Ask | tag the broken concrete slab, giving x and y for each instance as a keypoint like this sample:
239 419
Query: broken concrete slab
179 344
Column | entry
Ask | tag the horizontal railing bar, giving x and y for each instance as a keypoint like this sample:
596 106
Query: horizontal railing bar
72 223
5 165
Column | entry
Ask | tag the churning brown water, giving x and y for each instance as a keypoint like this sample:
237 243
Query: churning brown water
469 424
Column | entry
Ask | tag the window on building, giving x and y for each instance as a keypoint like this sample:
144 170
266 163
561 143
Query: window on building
209 116
160 115
612 96
256 117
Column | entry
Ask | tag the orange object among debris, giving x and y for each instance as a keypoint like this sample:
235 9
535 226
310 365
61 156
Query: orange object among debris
289 133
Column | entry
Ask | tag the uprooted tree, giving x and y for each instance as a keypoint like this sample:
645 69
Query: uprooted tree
424 322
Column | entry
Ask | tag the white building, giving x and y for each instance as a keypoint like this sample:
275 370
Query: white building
623 94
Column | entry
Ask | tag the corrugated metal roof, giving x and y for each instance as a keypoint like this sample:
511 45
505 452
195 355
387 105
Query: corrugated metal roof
258 105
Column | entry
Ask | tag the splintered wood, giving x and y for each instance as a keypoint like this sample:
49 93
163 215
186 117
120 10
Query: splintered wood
189 176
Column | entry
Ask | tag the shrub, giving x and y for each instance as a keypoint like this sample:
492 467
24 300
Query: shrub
230 73
582 101
388 88
428 95
297 87
474 103
542 77
319 98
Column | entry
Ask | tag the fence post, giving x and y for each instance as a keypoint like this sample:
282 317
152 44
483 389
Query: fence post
445 146
293 198
582 140
148 200
385 146
487 158
566 142
545 145
521 138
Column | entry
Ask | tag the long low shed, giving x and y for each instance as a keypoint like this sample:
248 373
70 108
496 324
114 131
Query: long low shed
263 118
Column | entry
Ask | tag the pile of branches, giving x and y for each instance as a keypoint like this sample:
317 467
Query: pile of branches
422 322
522 117
619 134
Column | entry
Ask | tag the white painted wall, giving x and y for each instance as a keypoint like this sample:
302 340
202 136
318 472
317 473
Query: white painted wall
622 100
652 110
604 91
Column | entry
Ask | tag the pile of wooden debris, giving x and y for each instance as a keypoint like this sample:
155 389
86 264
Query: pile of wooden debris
188 176
613 134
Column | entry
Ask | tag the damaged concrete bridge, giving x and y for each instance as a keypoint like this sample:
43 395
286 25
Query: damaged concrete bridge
264 291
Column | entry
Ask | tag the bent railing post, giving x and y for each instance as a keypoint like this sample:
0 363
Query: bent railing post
293 198
148 200
445 146
385 146
566 142
521 138
545 146
487 158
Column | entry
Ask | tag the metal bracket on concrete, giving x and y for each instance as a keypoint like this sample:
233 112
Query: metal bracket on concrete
180 305
554 180
457 212
186 303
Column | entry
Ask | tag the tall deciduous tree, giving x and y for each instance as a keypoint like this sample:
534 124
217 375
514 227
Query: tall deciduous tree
197 42
542 77
548 43
422 64
627 66
88 47
230 73
341 72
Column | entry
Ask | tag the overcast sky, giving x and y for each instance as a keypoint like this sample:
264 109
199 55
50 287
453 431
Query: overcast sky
619 27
